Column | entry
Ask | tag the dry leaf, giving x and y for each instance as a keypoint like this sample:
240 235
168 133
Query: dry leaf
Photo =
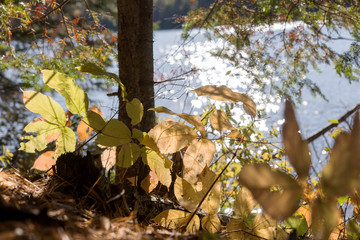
278 193
220 121
150 182
244 203
171 136
192 165
45 161
223 93
211 223
295 147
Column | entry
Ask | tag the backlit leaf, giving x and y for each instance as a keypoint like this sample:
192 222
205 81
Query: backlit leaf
45 161
295 147
159 164
220 121
135 111
172 136
43 130
150 182
211 223
45 106
192 119
75 98
192 165
244 203
84 130
108 158
185 194
128 155
223 93
66 141
211 203
238 230
96 70
175 219
275 191
114 133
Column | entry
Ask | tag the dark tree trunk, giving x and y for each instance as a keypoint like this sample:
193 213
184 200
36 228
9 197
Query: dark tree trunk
135 49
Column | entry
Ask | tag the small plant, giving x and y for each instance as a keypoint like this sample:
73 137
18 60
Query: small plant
209 163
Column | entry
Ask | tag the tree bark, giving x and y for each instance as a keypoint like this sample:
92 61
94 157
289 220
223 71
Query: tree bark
135 49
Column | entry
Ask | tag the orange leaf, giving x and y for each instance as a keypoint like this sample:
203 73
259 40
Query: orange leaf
45 161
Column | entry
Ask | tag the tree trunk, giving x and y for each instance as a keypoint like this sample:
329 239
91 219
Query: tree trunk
135 49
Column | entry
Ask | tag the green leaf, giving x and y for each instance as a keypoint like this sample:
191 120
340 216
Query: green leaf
297 222
172 136
353 230
96 70
158 163
295 147
114 133
278 193
333 121
66 141
95 121
44 130
223 93
45 106
128 155
135 111
75 98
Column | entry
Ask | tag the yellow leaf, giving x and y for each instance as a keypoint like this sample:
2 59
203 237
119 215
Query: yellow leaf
114 133
220 121
244 203
185 194
211 203
223 93
278 193
192 119
176 219
211 223
158 163
45 106
295 147
128 155
171 136
192 165
238 230
135 111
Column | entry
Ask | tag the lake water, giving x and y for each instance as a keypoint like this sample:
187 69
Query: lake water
173 57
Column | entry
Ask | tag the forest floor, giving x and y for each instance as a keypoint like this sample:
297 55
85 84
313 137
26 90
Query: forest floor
32 208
